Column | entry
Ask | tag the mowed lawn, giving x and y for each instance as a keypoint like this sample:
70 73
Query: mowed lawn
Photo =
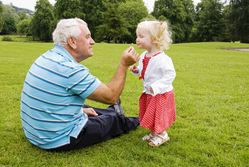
211 93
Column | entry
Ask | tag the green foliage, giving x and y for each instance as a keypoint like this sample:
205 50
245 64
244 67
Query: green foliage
41 20
132 11
93 10
210 24
68 9
1 19
11 16
24 26
52 25
162 18
229 28
22 16
9 11
239 12
10 19
114 24
94 14
7 38
9 26
22 38
211 94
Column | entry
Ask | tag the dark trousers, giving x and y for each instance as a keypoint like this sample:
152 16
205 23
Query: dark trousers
105 126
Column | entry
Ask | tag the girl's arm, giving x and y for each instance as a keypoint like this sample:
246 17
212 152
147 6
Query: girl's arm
134 69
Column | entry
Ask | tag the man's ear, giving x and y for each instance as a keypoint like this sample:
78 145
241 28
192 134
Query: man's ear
71 42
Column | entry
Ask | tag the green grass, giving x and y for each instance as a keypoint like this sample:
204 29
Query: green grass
211 93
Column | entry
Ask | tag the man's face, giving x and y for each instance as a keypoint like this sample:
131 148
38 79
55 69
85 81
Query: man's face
84 43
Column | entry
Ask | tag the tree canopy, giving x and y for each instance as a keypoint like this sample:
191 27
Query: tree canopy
239 18
210 20
114 25
41 20
23 27
1 19
116 20
132 11
68 9
9 26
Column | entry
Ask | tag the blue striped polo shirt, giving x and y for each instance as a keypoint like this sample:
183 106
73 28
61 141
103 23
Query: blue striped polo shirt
54 91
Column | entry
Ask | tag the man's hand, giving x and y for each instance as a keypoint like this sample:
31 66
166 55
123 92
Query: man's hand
90 112
129 57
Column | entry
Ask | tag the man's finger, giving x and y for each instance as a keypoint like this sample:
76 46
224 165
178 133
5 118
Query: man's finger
128 49
131 50
137 57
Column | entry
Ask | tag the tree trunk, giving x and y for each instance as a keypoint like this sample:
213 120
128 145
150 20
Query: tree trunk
113 39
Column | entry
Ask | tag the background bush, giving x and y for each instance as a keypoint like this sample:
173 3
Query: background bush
7 38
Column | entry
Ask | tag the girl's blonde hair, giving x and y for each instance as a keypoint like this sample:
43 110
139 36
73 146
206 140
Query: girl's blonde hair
159 32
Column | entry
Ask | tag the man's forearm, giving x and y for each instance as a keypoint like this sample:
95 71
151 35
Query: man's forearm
109 93
118 81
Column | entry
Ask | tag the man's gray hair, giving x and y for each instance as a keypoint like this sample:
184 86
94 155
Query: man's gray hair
66 28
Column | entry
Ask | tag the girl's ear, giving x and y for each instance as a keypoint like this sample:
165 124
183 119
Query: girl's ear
71 42
154 40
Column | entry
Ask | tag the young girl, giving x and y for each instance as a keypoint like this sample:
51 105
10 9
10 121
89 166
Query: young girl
157 103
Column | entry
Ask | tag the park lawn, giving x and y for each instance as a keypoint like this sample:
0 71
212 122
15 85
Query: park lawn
211 94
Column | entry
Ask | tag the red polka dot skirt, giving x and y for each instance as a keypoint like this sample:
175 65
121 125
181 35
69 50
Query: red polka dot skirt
158 112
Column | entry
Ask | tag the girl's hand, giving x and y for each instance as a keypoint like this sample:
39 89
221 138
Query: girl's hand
134 69
151 90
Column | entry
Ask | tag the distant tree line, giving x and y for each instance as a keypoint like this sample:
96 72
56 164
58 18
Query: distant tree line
116 20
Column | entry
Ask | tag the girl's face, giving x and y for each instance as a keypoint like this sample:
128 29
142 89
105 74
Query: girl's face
143 39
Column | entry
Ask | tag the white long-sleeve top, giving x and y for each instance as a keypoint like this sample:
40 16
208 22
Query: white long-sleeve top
159 74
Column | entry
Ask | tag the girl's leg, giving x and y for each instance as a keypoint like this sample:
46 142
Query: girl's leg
162 133
153 133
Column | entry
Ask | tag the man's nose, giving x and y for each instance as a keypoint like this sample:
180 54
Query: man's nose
92 41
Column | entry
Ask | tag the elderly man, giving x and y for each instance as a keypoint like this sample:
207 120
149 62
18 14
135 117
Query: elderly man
53 113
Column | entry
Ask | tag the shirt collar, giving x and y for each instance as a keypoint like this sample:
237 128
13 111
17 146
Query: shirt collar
64 52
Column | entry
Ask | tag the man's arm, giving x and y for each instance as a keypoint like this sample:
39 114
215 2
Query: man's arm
110 93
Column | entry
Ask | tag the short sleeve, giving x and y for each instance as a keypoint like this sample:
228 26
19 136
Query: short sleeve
83 83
